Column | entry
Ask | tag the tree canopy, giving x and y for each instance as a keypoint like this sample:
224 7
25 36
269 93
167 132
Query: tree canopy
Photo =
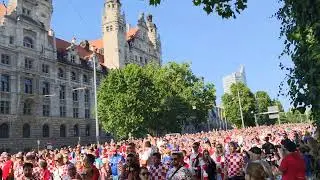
152 99
301 32
224 8
232 108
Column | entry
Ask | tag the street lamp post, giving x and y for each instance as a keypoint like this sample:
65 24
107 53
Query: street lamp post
95 60
38 142
240 109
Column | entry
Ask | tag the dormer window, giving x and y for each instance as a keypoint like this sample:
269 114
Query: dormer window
73 58
28 42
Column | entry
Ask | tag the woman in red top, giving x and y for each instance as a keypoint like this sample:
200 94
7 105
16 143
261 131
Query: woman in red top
292 165
45 174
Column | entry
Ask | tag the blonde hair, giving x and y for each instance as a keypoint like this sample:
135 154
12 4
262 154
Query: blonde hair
256 171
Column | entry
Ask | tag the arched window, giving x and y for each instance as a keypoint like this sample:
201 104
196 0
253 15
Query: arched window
26 131
76 130
27 42
73 76
62 130
45 131
60 73
4 130
88 130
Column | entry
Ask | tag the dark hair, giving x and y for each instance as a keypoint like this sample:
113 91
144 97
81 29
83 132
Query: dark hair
289 145
132 144
179 154
255 171
184 151
27 165
91 158
256 150
157 155
196 144
147 144
131 155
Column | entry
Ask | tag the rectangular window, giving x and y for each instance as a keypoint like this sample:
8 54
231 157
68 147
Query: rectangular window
5 59
45 68
11 39
63 111
28 63
45 88
75 95
4 107
5 83
87 113
28 86
75 112
46 110
26 109
62 92
86 96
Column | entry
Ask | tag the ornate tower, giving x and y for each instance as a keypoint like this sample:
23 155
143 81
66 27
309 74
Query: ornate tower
44 12
114 34
152 31
154 37
38 10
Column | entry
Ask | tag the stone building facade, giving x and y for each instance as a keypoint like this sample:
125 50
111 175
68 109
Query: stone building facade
46 83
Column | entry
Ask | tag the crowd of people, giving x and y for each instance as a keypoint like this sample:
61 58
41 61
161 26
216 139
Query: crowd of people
288 152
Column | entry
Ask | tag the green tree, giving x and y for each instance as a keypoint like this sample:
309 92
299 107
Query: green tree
123 106
263 101
301 33
294 116
224 8
152 99
180 90
231 105
279 104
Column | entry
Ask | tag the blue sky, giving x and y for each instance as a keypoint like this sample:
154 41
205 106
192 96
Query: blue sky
214 46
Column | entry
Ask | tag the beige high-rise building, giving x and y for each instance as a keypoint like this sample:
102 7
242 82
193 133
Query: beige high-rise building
46 83
239 76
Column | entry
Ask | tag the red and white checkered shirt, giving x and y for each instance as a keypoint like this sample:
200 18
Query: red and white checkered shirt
234 164
37 173
159 172
220 163
18 170
51 165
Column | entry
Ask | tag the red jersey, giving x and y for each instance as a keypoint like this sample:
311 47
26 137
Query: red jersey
293 167
7 169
